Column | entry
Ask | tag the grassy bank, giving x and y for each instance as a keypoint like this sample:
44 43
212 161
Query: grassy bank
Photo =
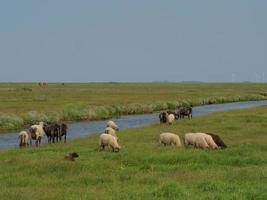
145 170
24 104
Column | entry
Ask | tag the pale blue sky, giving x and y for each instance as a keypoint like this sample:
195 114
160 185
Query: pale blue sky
132 41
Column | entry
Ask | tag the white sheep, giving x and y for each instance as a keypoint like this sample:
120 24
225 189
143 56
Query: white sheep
23 139
209 140
110 141
39 129
170 118
111 131
197 140
113 125
169 139
37 132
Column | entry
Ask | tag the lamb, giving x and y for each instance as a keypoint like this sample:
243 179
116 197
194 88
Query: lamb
217 140
71 156
113 125
111 131
169 139
170 118
23 139
196 140
108 140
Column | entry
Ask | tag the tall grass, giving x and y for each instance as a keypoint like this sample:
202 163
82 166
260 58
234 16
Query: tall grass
28 103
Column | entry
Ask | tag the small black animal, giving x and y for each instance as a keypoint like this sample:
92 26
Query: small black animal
71 156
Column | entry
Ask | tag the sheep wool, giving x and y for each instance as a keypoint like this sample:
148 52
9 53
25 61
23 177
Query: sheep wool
170 118
169 139
197 140
23 138
113 125
39 129
209 140
108 140
111 131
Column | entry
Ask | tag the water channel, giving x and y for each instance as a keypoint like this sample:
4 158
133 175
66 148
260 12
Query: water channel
82 129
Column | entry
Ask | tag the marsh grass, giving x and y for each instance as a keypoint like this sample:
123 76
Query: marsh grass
25 104
144 169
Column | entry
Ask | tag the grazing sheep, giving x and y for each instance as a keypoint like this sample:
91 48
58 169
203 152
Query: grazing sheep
196 140
113 125
170 118
108 140
23 139
209 140
71 156
169 139
218 140
111 131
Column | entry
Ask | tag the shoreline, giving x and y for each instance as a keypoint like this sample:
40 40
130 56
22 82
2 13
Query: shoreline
148 109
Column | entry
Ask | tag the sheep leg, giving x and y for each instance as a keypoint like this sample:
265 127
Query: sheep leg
102 147
65 137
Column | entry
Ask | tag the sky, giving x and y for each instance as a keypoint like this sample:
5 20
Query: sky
133 41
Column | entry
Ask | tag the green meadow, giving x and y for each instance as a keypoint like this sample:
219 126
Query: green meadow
22 104
143 169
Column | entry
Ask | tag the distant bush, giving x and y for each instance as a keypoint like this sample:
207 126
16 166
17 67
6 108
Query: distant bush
90 112
34 117
10 121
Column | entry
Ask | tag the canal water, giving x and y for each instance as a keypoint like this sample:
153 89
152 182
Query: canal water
82 129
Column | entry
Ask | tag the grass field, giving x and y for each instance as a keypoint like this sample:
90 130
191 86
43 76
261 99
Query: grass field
145 170
28 103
